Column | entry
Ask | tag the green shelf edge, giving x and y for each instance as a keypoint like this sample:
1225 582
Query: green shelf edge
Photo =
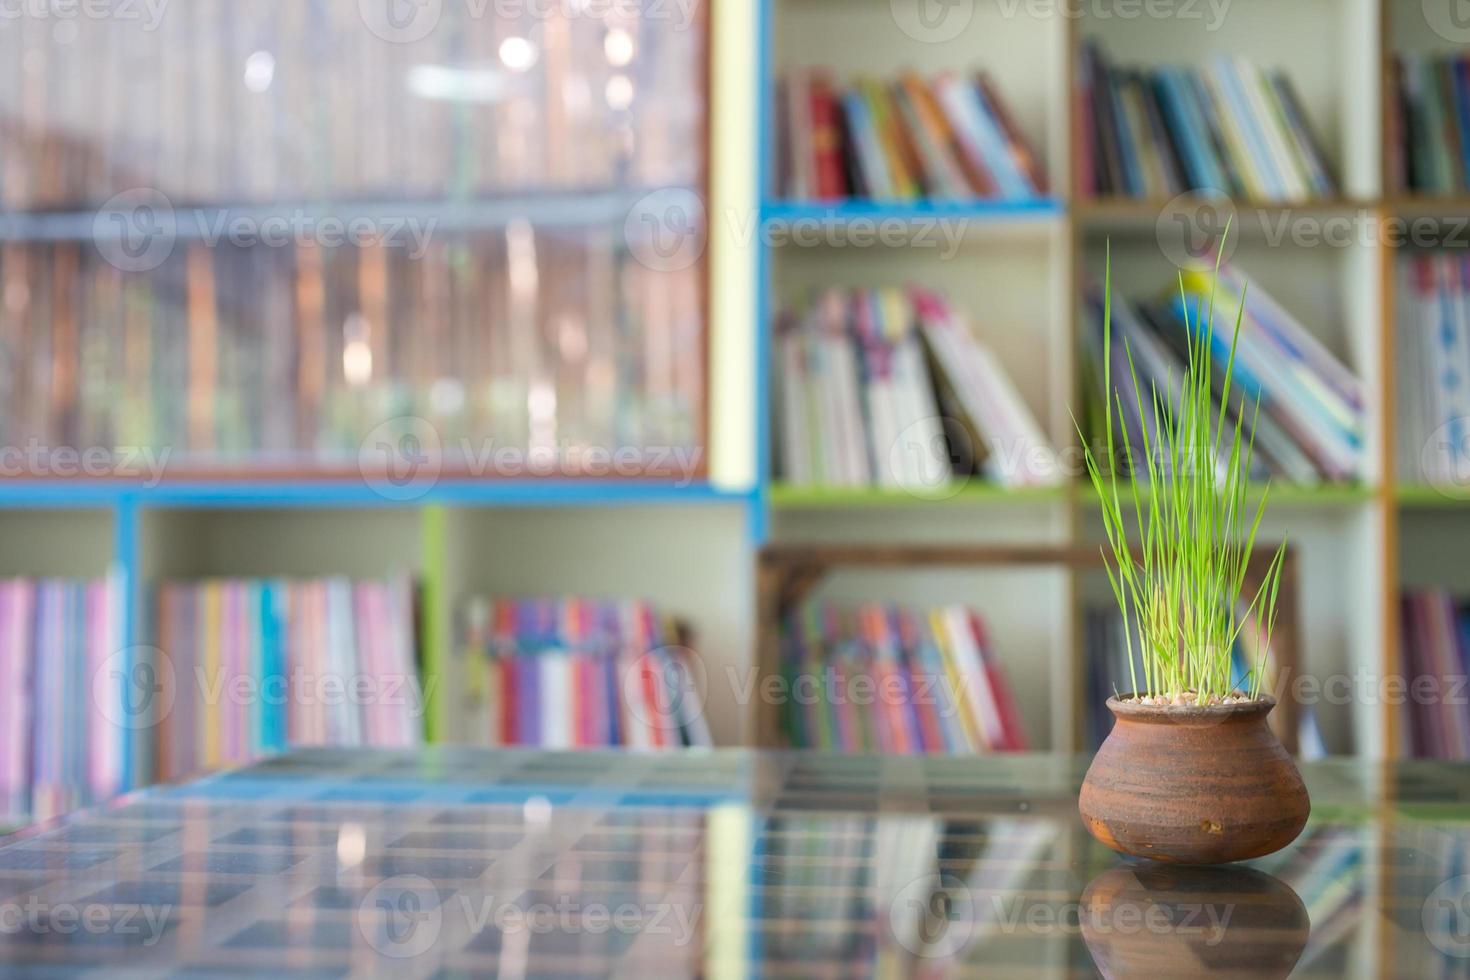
1281 493
1430 498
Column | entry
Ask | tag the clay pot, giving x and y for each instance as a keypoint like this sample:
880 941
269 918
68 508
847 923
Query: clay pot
1147 921
1201 785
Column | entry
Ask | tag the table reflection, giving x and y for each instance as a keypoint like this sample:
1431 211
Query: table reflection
448 862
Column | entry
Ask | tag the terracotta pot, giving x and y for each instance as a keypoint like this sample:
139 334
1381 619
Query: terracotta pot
1194 785
1144 920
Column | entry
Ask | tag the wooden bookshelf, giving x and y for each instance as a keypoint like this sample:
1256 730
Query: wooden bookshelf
1022 297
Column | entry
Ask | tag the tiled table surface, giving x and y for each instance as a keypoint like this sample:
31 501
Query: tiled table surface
455 862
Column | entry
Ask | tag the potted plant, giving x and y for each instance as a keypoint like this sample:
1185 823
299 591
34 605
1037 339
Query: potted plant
1191 771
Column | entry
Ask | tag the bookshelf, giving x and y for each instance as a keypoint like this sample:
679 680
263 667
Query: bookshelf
1016 267
1020 267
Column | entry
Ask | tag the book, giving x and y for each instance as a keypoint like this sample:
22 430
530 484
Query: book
314 98
892 387
1433 392
1306 405
881 677
1230 127
906 139
1429 123
1435 629
577 673
67 728
256 666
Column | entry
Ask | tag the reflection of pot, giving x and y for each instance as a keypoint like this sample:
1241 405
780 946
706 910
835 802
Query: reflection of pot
1157 920
1193 785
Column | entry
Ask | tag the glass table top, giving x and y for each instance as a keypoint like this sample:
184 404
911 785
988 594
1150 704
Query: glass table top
450 862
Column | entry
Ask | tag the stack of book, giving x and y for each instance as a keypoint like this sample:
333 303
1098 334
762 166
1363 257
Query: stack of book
885 678
296 356
1435 627
945 138
1230 128
1310 426
255 666
1107 646
64 729
890 387
1433 343
578 673
1429 124
314 100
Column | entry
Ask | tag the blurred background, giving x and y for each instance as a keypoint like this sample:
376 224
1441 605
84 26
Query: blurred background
673 373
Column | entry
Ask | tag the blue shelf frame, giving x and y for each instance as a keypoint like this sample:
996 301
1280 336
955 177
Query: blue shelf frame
777 212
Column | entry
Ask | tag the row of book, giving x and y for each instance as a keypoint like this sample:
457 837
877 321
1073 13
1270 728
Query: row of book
64 737
255 665
294 356
1231 128
949 137
891 387
1310 424
1429 124
252 100
1107 646
883 678
578 673
1435 627
1433 391
897 894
